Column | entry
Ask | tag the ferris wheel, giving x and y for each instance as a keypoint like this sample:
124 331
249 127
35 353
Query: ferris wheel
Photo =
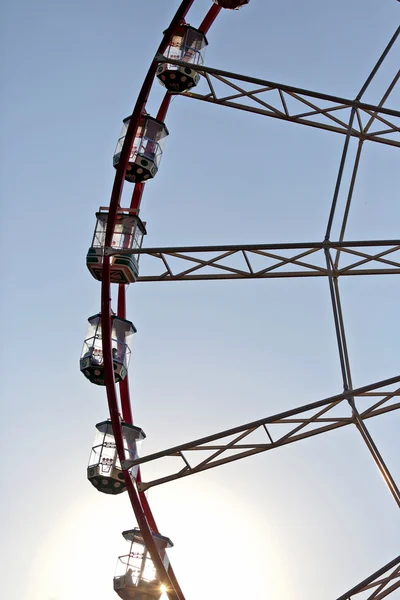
116 254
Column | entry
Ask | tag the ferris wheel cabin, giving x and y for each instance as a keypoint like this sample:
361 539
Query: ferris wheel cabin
146 151
188 45
91 362
128 234
104 471
231 4
136 577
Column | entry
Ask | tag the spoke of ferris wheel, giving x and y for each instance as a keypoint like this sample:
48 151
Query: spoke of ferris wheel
298 105
376 584
348 200
276 430
332 265
334 284
348 136
355 168
260 261
347 382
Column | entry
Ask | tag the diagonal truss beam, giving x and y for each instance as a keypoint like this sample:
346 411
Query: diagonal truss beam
378 585
261 261
277 430
289 103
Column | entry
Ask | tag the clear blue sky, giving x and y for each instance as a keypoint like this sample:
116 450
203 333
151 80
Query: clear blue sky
305 522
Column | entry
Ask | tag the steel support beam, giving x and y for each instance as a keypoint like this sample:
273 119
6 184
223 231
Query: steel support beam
262 261
280 429
297 105
380 584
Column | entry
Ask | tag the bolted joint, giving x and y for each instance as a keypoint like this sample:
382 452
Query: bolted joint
127 464
142 486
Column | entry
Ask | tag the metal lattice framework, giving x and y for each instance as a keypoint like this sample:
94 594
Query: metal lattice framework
377 586
330 259
263 261
281 429
297 105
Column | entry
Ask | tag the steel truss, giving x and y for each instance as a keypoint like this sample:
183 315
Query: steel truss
378 585
297 105
275 431
262 261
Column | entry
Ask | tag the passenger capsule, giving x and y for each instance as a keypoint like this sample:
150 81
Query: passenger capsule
128 234
104 471
188 45
231 4
91 362
136 577
146 151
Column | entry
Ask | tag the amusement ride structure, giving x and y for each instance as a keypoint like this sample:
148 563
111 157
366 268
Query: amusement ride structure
113 258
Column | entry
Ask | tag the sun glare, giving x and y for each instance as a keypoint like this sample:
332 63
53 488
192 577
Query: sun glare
77 557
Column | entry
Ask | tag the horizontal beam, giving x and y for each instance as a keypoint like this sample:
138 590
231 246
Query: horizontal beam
295 104
287 88
288 428
261 261
326 244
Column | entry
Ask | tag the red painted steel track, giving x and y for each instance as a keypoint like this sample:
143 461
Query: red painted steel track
140 505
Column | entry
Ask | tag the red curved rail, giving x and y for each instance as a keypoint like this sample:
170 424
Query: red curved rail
140 505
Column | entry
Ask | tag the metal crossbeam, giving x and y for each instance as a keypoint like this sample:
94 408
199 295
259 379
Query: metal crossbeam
378 585
277 430
262 261
289 103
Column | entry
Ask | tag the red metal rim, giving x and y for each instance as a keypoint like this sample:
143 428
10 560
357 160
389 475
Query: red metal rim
140 505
